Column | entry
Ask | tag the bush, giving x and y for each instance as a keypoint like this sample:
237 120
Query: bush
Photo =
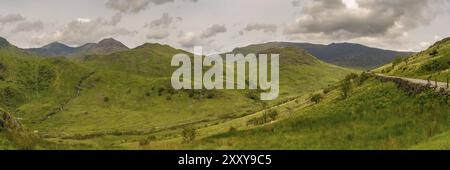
267 117
434 53
46 77
435 66
363 77
397 61
316 98
346 87
11 97
189 134
147 140
106 99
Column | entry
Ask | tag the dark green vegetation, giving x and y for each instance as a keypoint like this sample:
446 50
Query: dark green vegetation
433 63
341 54
125 100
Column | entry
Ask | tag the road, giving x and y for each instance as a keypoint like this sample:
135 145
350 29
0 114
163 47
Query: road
440 85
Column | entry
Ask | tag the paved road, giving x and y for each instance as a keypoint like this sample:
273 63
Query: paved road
440 85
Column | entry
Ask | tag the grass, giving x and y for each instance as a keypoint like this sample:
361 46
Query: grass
375 116
116 101
432 63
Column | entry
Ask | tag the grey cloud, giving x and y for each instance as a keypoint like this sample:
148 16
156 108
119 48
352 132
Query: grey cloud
261 27
373 18
191 39
296 3
136 6
128 6
82 31
163 22
11 18
213 30
115 19
28 26
159 34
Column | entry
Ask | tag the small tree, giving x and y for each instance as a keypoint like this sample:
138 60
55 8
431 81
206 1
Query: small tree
316 98
397 61
346 88
433 53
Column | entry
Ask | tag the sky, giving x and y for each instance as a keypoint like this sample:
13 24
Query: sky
222 25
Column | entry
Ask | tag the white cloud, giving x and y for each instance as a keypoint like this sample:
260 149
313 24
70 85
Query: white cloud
11 18
29 26
261 27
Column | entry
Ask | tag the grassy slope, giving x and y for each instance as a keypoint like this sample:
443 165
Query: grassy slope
129 93
376 116
425 64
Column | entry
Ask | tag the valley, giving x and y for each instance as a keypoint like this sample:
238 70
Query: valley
124 100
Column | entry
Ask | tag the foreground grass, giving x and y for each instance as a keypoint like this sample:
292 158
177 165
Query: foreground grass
376 116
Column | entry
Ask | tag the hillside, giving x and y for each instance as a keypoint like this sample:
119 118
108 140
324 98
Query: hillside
360 112
341 54
107 101
376 115
56 49
432 63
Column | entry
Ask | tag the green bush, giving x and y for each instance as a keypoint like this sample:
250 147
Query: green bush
346 87
189 134
11 97
316 98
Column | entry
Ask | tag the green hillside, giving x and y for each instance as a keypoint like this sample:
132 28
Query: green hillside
377 115
432 63
106 101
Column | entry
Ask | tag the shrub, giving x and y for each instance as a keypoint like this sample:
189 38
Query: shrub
46 77
106 99
351 76
435 66
434 53
189 134
169 97
147 140
316 98
346 87
397 61
11 97
267 117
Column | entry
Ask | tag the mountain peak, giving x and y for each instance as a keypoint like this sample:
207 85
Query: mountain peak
111 42
55 44
3 42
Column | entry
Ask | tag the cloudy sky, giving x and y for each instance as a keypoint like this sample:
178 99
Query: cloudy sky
221 25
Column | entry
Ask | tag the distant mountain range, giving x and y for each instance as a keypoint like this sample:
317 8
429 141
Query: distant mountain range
105 46
341 54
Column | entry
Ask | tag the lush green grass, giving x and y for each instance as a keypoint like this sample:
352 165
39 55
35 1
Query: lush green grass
108 101
433 64
376 116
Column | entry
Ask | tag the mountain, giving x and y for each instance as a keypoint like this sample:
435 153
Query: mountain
102 99
341 54
375 113
54 49
432 63
3 42
105 46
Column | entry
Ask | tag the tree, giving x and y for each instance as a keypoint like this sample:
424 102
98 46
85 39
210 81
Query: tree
316 98
346 88
397 61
